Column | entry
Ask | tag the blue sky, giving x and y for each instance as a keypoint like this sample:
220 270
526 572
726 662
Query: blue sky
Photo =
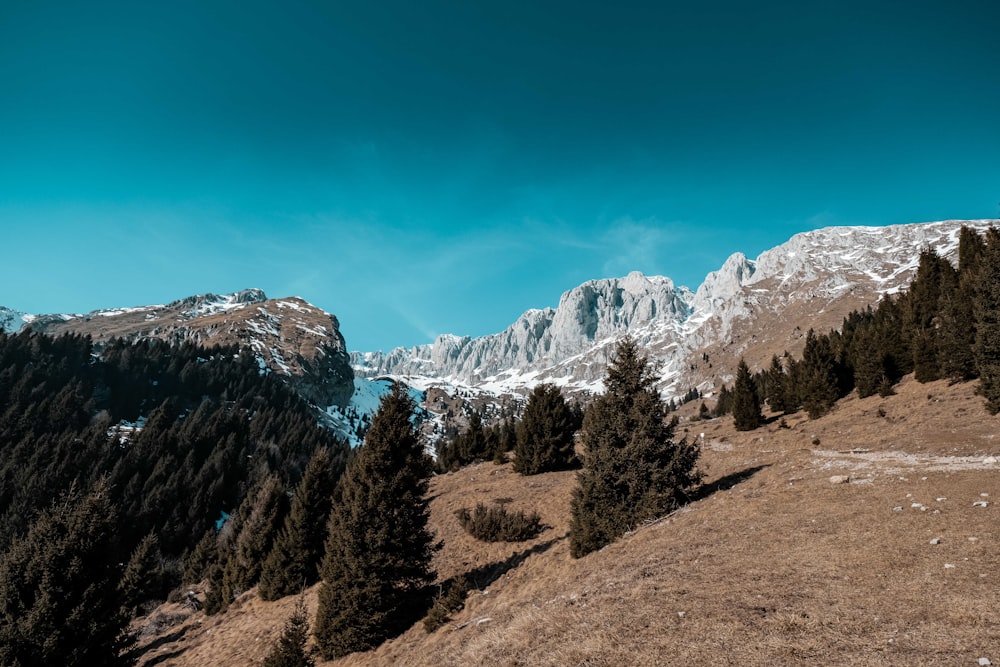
434 167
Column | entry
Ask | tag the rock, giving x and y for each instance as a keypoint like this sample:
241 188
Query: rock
985 662
936 540
949 566
840 479
897 508
980 503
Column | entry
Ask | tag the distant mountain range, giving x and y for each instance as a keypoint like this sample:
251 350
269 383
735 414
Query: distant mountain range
751 308
748 307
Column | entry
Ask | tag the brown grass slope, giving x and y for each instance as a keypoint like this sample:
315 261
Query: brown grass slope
773 565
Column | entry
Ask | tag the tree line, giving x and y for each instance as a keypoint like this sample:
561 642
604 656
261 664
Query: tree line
945 325
114 463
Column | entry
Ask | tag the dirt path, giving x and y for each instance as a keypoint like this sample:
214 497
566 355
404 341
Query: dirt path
897 462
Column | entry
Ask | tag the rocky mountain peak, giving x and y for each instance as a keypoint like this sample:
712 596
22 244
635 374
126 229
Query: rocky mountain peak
206 304
812 280
289 336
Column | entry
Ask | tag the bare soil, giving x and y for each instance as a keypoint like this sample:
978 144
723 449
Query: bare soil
810 544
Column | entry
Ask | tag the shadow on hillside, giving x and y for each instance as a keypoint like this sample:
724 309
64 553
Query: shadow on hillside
727 482
481 577
137 653
163 657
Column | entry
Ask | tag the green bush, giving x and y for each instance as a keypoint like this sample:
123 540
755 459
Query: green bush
496 524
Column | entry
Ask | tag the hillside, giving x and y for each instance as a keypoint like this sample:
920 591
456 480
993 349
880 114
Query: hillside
778 562
289 336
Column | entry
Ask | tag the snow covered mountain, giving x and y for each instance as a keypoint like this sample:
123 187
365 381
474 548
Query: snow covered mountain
12 320
289 336
747 307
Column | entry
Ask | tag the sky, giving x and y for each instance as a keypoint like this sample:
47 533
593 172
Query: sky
420 168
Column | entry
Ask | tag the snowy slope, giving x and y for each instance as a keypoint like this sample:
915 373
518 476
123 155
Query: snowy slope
12 321
828 271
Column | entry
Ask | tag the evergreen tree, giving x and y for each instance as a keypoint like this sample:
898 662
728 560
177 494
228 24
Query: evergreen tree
971 248
956 330
890 344
958 312
379 548
504 436
545 433
633 470
469 446
818 376
290 649
260 516
204 555
921 315
776 391
59 598
746 400
869 364
143 578
987 312
294 559
724 404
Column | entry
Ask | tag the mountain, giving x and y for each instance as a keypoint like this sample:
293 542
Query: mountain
754 307
289 336
12 320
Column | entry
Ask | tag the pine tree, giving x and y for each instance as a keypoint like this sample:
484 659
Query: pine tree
261 514
869 365
956 331
724 404
379 548
746 401
290 649
776 391
143 578
204 555
987 312
890 343
818 376
633 470
59 598
294 559
545 433
921 314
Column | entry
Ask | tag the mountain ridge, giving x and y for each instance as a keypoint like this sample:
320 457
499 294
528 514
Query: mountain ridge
843 267
748 306
289 336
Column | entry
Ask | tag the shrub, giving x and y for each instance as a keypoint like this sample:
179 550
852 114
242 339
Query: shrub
446 604
496 524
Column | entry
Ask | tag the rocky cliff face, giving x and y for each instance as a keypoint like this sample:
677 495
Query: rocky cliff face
595 311
289 336
747 307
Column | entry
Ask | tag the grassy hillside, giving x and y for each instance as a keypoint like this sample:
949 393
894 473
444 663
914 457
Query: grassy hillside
779 561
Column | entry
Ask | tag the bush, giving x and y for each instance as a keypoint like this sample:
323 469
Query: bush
496 524
446 604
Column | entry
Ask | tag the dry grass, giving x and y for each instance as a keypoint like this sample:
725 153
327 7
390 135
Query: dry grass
775 565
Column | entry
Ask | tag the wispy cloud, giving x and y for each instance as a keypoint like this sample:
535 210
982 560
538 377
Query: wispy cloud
635 245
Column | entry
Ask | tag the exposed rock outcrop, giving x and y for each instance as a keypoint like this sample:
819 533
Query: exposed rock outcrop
289 336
